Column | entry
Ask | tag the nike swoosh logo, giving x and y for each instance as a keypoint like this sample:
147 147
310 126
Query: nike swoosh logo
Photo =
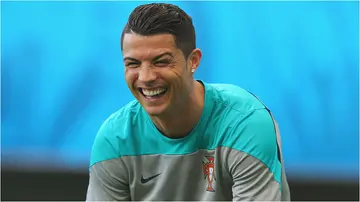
143 180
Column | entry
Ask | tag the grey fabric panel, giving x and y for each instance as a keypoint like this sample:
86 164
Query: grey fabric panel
253 181
108 182
182 178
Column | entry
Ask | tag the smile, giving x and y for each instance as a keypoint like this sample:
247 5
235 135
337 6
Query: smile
153 93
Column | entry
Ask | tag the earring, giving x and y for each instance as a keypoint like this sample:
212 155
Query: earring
193 70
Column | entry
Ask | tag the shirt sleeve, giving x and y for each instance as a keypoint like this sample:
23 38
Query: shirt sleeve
255 167
108 180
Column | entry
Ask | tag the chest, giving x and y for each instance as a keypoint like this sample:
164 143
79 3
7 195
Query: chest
197 176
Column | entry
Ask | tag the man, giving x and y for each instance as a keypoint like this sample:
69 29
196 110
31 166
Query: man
182 139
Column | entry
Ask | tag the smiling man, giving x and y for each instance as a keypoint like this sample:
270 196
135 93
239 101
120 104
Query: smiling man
182 139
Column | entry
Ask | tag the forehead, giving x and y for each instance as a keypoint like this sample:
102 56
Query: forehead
145 47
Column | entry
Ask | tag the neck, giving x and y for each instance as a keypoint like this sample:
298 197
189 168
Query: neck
180 123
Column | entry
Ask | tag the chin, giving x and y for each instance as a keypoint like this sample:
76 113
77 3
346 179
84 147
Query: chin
155 110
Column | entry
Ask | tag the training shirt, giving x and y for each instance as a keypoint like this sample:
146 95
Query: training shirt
233 153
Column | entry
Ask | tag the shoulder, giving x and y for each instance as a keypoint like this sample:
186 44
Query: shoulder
235 97
114 130
231 103
247 125
254 134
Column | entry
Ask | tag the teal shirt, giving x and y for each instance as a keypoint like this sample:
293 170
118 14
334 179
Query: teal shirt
235 133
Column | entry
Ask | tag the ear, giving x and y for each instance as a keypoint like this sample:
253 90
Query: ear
194 60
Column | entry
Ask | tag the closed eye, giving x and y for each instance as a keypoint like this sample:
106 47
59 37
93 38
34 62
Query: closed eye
162 63
132 64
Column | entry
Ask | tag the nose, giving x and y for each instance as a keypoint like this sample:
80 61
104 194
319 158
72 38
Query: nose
146 74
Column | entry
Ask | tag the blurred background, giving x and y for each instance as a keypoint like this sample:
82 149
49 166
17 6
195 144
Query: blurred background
62 76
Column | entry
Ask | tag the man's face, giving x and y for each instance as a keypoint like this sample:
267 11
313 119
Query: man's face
157 72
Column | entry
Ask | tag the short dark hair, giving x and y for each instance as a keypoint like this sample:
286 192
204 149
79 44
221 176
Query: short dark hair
162 18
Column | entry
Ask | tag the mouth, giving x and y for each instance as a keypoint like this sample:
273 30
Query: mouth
153 93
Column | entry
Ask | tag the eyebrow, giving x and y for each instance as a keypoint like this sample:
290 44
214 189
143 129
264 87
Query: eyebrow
162 55
155 58
130 58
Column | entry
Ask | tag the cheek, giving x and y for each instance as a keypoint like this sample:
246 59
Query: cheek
176 76
179 80
130 75
177 70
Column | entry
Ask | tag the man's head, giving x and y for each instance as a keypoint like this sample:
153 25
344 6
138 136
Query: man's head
160 56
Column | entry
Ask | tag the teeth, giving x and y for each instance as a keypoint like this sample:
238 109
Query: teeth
153 92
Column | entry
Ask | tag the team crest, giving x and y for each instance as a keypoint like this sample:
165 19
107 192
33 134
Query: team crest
209 172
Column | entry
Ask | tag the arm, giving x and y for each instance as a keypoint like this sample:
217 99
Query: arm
108 179
254 165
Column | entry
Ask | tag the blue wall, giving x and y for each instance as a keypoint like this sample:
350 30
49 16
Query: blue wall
62 75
